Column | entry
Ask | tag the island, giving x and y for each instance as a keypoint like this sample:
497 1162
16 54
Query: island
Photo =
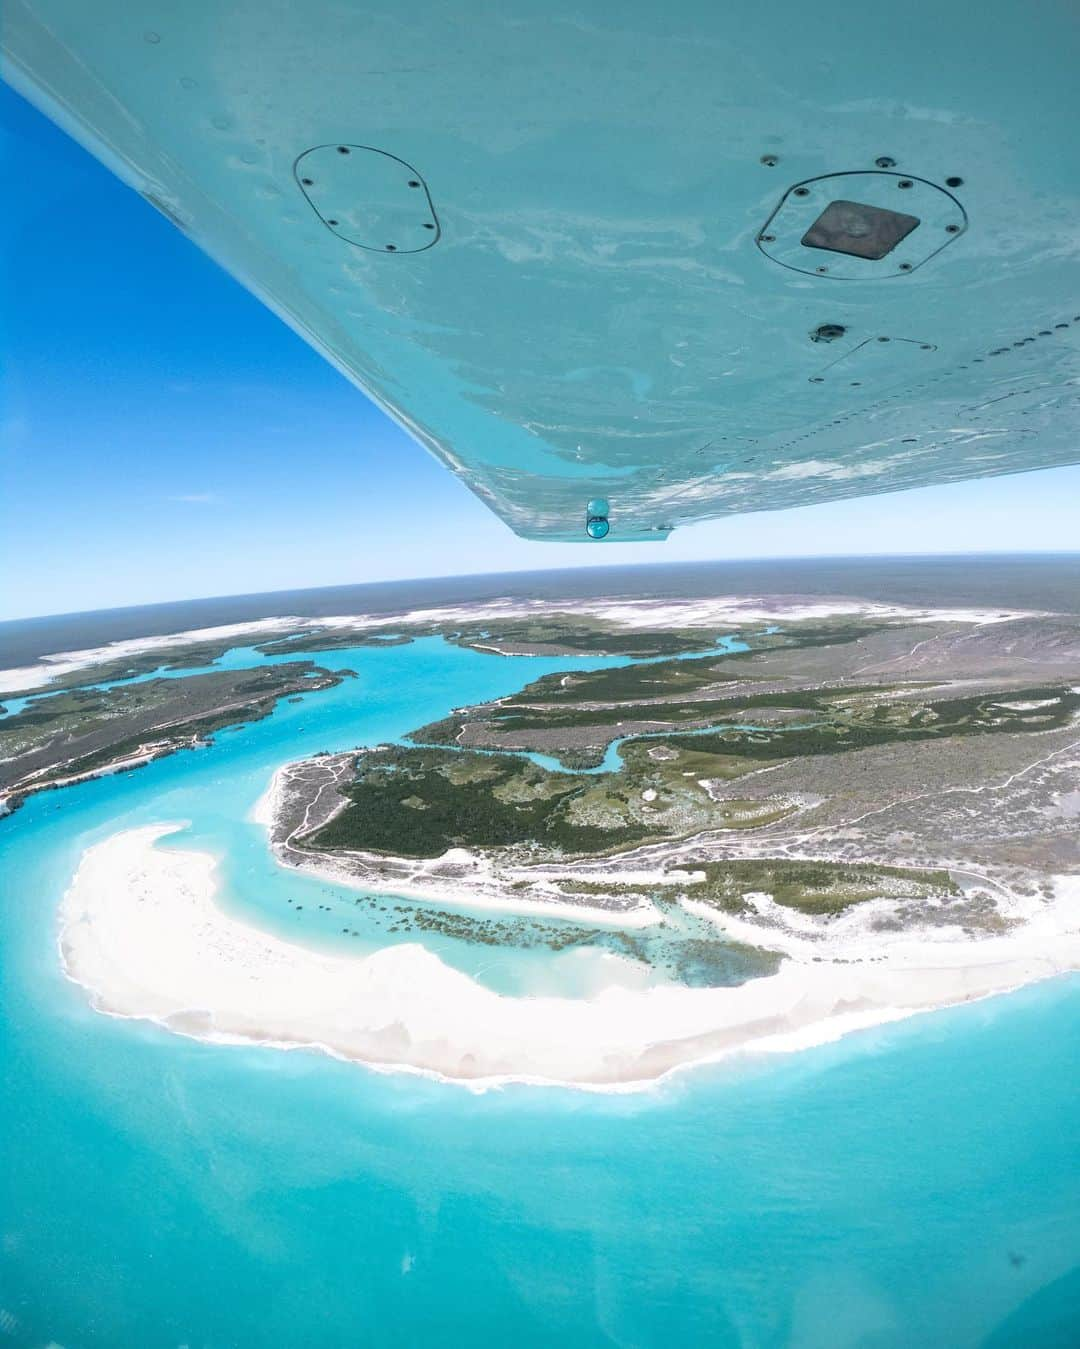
774 821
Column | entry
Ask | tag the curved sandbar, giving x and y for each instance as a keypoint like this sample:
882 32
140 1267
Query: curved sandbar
140 930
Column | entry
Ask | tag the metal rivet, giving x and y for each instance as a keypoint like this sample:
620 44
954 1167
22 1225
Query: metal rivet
343 149
883 339
331 222
308 182
925 346
391 248
905 182
822 269
905 266
885 162
770 161
952 229
802 191
414 182
428 225
954 182
768 239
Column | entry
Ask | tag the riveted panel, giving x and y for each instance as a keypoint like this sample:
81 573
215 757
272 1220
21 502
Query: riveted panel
877 361
861 226
368 198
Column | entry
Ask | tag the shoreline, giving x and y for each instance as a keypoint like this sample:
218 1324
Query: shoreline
459 879
723 610
141 932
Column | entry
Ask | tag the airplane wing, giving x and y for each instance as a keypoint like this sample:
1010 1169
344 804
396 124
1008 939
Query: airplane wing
631 264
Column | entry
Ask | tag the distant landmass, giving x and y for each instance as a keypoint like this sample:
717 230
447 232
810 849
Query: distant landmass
1040 581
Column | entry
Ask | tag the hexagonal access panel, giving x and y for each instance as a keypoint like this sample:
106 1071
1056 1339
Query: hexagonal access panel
368 198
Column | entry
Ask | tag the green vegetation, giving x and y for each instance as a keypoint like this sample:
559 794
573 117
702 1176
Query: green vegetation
84 731
575 717
411 802
421 800
331 639
849 723
820 888
183 656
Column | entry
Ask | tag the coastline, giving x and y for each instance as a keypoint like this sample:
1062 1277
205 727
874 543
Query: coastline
651 612
459 879
141 932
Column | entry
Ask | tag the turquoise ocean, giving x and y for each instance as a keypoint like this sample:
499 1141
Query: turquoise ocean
913 1185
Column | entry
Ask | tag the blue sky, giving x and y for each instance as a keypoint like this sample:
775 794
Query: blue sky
163 436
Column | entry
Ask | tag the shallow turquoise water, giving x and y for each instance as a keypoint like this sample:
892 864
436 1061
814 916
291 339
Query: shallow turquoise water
915 1185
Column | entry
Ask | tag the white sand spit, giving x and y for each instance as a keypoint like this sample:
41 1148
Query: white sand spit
140 930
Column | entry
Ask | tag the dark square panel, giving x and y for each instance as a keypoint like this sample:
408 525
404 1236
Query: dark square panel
858 230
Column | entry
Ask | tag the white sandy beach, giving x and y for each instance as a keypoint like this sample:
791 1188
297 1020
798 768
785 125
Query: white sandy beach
141 931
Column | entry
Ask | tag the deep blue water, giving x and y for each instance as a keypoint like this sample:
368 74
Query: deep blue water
914 1185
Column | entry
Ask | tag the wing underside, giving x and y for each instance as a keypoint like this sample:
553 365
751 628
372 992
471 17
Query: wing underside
685 260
